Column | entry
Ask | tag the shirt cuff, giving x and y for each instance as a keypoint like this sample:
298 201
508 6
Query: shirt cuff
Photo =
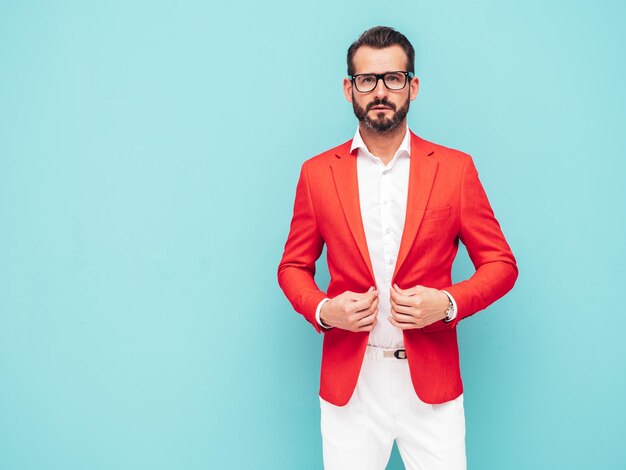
317 314
453 313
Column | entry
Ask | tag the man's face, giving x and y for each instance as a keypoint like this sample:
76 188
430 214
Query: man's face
380 110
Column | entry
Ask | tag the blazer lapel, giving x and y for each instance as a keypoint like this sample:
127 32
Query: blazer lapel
345 176
423 169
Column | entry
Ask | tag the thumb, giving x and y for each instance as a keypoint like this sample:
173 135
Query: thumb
371 293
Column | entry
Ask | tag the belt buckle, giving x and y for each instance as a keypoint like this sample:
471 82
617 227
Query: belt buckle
400 353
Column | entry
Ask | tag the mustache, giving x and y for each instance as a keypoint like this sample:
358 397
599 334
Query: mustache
378 102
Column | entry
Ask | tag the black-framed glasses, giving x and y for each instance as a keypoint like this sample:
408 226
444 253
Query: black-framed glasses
366 82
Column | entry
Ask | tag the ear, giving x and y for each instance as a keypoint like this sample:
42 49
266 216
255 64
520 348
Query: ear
347 89
414 87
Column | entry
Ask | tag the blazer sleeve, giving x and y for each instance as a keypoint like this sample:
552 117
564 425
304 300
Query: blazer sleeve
296 270
496 267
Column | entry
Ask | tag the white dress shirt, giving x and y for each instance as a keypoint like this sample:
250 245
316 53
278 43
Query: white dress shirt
383 191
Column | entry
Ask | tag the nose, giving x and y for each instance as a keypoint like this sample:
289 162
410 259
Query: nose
380 91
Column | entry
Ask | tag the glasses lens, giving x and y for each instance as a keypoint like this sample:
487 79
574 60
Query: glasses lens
365 82
395 80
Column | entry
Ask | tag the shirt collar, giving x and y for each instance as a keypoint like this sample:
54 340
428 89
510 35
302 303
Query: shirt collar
405 145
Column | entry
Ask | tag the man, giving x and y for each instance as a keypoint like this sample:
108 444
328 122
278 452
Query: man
391 208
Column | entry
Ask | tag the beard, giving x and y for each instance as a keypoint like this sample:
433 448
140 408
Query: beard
380 124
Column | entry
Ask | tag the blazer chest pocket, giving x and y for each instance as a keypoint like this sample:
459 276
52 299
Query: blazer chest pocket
437 213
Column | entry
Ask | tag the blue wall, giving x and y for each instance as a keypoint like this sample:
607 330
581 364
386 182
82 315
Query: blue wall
148 159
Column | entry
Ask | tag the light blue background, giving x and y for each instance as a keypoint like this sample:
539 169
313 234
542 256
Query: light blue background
149 153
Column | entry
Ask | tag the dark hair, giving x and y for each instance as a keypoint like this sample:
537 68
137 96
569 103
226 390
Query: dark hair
380 37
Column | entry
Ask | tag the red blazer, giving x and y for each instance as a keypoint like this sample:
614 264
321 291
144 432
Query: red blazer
446 203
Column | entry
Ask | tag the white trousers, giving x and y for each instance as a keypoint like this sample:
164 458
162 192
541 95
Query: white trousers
384 407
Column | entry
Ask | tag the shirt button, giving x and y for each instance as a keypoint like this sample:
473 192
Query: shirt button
388 230
385 203
390 262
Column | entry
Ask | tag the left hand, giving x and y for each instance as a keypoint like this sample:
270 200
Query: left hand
417 307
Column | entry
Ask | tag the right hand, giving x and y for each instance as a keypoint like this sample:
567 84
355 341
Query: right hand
351 311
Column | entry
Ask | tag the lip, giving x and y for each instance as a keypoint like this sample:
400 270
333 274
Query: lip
378 108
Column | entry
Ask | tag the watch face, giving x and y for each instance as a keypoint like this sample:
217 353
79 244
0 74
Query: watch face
449 312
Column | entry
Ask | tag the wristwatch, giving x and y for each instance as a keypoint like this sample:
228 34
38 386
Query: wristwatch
450 310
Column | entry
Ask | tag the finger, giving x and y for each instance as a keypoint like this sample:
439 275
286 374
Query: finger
351 295
364 303
394 293
395 313
367 320
405 300
360 305
402 309
401 291
403 318
368 326
410 323
402 326
371 294
366 313
411 290
373 306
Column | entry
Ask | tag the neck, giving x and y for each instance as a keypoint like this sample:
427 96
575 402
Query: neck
383 145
